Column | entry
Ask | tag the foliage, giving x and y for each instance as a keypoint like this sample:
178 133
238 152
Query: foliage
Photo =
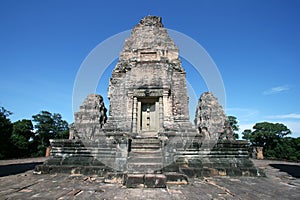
235 127
48 126
5 133
247 134
21 138
273 138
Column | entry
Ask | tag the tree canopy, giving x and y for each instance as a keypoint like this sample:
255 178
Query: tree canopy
5 132
49 126
23 139
234 125
273 138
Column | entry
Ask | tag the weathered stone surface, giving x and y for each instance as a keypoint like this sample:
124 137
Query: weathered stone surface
282 182
155 181
226 157
256 152
211 120
176 178
148 75
135 180
90 119
145 156
148 129
145 180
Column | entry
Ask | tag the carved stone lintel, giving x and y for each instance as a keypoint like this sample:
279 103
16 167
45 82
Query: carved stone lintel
148 92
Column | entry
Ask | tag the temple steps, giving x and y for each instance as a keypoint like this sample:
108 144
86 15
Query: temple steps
148 134
146 180
82 151
204 154
142 140
145 156
145 145
144 167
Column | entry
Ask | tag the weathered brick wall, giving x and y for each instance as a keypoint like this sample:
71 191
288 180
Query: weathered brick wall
149 60
210 119
90 118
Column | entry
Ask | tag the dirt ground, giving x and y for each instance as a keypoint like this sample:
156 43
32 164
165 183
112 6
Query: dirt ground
17 181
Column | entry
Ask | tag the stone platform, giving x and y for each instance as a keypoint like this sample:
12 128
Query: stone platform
148 134
137 158
282 181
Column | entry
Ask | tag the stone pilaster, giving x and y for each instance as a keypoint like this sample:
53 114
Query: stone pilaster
161 114
134 115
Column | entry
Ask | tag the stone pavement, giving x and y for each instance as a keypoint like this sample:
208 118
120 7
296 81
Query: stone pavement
282 182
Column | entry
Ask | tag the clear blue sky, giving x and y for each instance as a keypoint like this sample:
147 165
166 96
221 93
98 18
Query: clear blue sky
254 43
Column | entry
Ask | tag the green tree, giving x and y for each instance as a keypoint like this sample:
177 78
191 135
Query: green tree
247 134
288 149
48 126
235 127
5 133
294 154
21 138
270 136
61 127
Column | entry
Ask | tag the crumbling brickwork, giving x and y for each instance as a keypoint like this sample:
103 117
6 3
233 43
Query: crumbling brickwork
210 119
90 119
149 66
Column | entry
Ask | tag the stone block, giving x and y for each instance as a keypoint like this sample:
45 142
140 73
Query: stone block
188 171
155 181
222 172
134 181
176 178
206 172
173 167
195 163
114 178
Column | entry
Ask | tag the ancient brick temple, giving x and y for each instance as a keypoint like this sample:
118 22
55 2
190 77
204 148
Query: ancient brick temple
147 137
147 90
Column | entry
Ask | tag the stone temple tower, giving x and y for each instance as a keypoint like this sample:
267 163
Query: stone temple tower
147 90
147 138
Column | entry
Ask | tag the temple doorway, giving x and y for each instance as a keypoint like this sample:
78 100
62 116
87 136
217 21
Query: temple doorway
148 115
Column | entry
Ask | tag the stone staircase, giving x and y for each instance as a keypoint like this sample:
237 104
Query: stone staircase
145 156
145 163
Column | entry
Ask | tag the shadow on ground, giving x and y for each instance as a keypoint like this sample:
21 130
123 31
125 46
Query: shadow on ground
12 169
293 170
